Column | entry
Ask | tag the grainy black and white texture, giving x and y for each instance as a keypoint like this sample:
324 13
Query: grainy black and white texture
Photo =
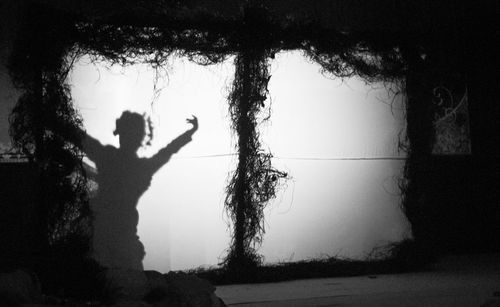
46 126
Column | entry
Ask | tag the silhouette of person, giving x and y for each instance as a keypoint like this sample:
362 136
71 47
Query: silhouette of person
122 178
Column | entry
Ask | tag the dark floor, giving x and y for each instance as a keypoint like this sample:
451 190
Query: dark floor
470 280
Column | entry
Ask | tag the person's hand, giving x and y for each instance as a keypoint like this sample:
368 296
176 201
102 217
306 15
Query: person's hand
193 121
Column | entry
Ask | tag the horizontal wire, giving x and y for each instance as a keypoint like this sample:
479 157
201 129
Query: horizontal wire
2 157
205 156
299 158
341 159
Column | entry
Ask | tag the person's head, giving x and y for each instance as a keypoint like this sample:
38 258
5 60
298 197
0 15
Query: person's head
131 128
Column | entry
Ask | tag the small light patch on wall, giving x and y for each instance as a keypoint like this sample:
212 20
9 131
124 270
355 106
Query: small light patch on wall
451 119
8 99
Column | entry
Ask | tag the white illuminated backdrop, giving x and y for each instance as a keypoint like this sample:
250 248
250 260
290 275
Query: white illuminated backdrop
329 207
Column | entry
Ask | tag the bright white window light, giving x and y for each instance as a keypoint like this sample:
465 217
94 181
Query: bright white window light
330 207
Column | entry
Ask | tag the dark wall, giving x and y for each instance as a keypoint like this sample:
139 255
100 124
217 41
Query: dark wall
462 199
18 191
461 218
485 129
483 66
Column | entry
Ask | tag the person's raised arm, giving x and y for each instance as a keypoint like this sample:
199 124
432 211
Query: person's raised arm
91 146
164 155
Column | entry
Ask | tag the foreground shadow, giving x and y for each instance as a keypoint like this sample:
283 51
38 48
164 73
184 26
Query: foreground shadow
122 178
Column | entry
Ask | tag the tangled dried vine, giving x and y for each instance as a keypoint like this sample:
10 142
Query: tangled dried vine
255 181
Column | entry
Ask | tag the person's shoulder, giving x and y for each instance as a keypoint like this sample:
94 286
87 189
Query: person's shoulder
147 164
110 149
